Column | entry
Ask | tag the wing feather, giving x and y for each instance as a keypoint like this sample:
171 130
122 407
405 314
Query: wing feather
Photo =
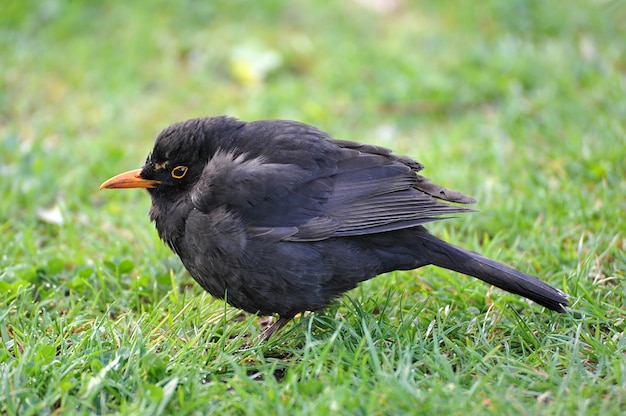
317 188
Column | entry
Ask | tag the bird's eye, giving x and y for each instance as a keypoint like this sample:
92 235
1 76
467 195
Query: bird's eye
179 171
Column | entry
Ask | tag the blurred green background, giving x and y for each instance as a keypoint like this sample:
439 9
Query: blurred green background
517 103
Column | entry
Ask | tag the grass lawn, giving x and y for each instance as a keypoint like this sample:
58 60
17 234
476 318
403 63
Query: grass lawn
521 104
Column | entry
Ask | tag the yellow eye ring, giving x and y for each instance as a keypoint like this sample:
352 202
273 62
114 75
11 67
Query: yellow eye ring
179 171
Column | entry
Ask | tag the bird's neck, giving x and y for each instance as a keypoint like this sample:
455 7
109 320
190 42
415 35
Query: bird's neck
170 219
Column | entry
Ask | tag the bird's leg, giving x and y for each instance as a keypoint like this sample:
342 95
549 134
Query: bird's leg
267 332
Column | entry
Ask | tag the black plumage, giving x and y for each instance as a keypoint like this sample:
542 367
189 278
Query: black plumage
277 217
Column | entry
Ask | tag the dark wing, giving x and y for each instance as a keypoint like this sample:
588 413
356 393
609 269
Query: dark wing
318 188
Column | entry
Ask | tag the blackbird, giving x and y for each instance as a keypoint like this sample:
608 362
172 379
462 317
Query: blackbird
277 217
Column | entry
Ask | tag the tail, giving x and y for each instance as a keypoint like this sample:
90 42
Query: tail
446 255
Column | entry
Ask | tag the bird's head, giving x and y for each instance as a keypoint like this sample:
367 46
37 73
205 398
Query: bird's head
177 160
170 170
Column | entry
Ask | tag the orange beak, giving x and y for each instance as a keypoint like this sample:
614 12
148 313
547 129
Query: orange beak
130 179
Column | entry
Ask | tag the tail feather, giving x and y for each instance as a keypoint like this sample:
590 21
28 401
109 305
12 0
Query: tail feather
448 256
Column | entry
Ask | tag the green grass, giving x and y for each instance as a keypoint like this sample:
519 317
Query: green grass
520 104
